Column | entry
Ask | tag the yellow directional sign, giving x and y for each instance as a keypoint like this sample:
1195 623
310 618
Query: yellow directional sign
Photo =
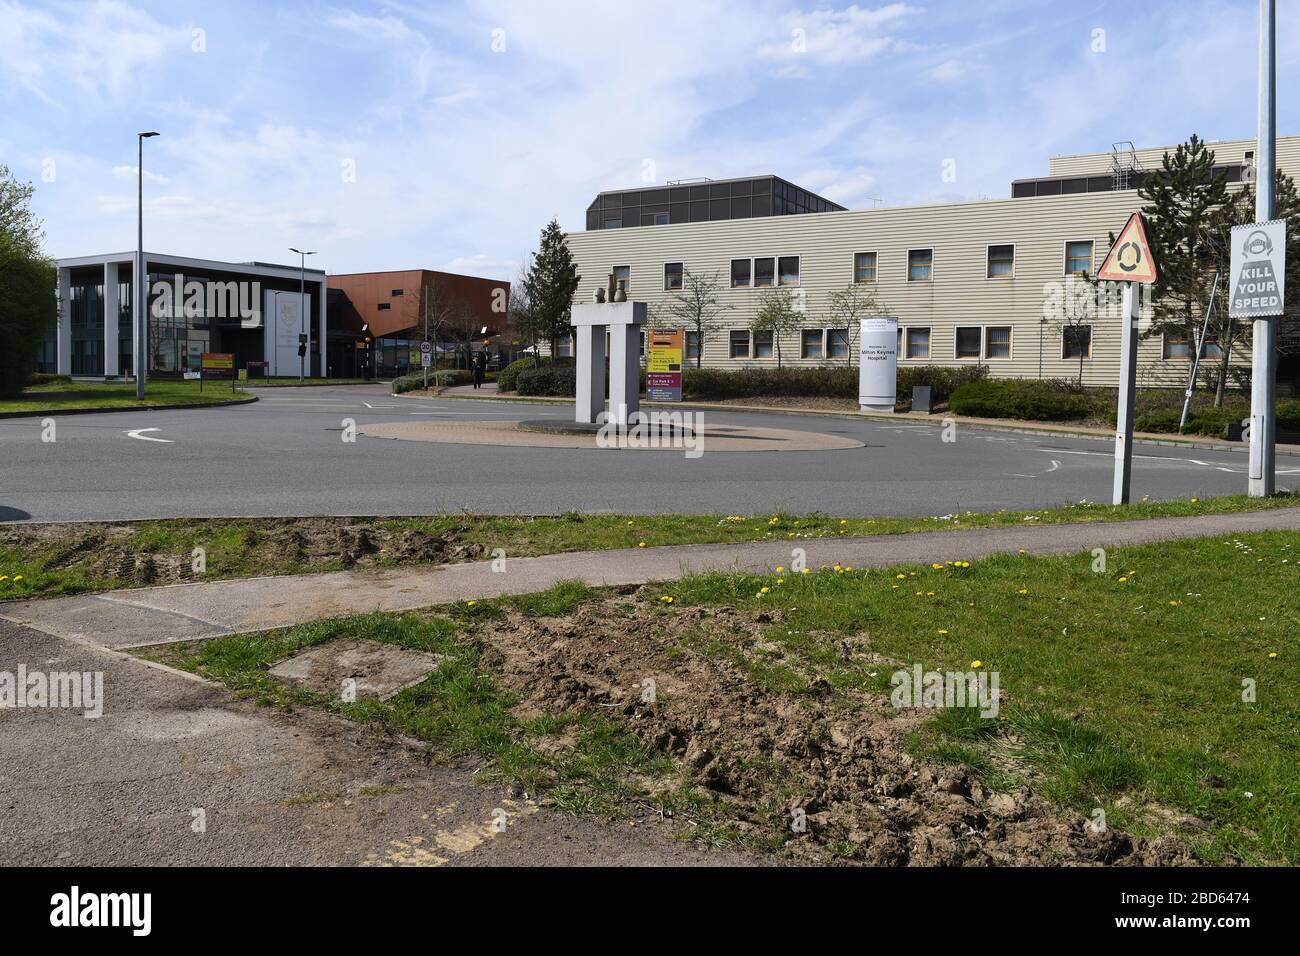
1131 258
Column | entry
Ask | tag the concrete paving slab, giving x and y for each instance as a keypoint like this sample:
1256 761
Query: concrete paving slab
379 670
190 611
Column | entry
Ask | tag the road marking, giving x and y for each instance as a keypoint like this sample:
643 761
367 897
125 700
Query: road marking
1055 465
139 433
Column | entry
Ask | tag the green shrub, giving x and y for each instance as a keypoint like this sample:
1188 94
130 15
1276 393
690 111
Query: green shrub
507 376
407 383
942 381
549 380
838 381
48 378
1025 399
27 310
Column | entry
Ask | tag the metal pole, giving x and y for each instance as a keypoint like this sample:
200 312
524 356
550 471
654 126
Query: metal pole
1196 356
1127 394
1263 376
138 284
302 316
425 300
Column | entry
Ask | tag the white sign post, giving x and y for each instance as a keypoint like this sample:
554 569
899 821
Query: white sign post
1257 290
878 364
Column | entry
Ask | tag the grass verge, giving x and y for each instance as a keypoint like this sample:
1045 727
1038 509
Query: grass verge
46 560
1152 683
112 396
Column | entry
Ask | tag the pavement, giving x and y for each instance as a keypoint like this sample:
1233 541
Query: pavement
178 772
179 612
284 455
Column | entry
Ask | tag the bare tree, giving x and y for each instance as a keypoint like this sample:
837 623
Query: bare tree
776 314
696 307
845 306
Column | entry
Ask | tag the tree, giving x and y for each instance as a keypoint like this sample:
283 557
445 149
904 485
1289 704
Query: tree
845 306
520 317
550 283
1071 306
1183 200
1224 331
776 314
696 307
27 281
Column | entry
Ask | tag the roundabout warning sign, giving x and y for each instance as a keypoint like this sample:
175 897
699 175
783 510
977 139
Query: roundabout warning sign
1257 279
1131 258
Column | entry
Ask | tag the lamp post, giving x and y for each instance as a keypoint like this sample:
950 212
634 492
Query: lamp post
302 313
1263 377
141 337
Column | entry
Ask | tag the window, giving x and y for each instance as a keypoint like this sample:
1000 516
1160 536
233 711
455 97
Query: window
1078 257
739 273
613 223
788 270
1178 346
692 345
764 270
672 276
564 347
739 343
385 306
919 263
661 219
1076 341
623 276
997 342
1001 262
968 341
762 345
918 343
811 344
837 343
397 293
864 267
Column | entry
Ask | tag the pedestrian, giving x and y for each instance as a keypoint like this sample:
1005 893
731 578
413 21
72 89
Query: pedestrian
479 368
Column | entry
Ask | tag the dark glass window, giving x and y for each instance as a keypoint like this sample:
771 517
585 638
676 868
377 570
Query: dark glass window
788 270
397 293
968 342
810 345
763 344
764 271
739 273
385 306
672 276
1076 341
739 341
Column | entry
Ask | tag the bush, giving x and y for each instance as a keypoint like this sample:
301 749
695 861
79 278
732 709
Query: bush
508 377
549 380
1025 399
27 310
827 382
48 378
942 381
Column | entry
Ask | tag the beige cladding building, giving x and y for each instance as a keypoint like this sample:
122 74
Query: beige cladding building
968 282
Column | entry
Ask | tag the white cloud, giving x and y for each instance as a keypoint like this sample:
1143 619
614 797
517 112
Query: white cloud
830 37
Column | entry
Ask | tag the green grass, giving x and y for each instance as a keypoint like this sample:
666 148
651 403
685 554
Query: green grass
1121 687
158 393
1125 695
67 559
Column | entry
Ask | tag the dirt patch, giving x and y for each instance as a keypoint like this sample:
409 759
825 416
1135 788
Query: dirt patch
376 670
125 554
767 757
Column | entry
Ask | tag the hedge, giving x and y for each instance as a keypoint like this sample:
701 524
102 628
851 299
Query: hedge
550 381
826 382
1026 399
508 377
48 378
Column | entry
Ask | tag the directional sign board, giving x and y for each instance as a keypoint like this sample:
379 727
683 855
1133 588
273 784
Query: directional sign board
663 365
1131 258
1257 279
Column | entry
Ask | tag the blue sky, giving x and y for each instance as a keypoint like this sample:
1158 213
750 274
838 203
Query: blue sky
445 135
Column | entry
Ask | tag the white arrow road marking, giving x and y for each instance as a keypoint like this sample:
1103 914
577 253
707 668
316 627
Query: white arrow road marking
139 433
1055 465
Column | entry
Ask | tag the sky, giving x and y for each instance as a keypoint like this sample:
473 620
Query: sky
398 135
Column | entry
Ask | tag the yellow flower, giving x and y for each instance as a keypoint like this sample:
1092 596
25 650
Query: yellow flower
1022 550
780 580
848 567
1173 604
1122 580
640 544
4 577
929 594
976 664
899 577
936 567
844 521
1023 591
941 631
1193 501
806 571
779 569
470 603
838 568
666 599
1272 653
17 577
762 590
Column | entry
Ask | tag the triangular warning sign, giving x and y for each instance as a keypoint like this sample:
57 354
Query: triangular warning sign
1131 258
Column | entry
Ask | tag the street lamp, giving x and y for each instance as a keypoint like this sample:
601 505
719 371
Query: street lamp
302 314
141 343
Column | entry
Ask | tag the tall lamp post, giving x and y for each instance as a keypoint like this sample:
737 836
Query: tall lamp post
302 313
1263 376
139 279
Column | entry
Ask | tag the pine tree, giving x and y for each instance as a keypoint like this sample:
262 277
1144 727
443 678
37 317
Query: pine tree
1182 199
550 283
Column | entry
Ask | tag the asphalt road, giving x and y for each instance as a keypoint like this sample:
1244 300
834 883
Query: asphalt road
284 455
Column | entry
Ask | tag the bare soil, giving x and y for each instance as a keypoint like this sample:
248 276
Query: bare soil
763 755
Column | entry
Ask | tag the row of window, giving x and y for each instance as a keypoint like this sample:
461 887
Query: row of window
759 272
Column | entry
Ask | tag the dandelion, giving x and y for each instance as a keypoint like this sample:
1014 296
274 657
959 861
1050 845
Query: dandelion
780 580
806 571
1023 591
899 577
640 544
976 665
762 590
17 578
1272 653
942 632
1122 580
667 599
471 603
780 569
4 577
936 567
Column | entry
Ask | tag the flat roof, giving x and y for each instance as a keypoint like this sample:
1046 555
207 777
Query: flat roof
216 265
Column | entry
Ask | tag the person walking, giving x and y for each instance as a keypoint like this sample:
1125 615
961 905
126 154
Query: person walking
479 369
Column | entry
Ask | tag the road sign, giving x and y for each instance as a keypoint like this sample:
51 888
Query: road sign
426 359
426 348
663 365
1257 279
217 365
1131 258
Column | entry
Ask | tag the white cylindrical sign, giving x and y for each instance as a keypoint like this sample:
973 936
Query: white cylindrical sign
878 364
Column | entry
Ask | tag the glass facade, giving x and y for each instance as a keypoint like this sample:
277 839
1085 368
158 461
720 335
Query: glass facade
86 313
704 202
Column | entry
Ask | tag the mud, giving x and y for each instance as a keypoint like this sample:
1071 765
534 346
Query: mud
119 554
764 756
